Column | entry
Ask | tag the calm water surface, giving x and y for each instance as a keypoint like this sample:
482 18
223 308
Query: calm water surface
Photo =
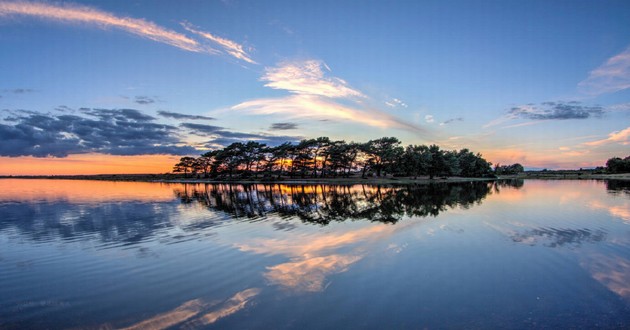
534 254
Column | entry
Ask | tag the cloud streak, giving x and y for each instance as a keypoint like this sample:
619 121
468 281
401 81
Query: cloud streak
221 137
307 78
181 116
232 48
316 96
610 77
621 137
549 111
556 110
70 13
283 126
77 14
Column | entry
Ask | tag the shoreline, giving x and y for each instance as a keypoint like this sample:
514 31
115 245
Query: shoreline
170 178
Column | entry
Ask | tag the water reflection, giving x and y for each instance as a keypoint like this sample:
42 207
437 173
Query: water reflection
265 263
323 204
196 313
618 186
128 222
611 271
558 237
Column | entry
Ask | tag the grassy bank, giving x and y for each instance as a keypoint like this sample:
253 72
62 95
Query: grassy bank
178 178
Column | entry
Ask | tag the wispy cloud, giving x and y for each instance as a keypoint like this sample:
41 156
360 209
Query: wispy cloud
549 111
144 100
220 136
429 118
556 110
309 106
17 90
448 121
393 103
283 126
307 78
315 95
610 77
621 137
181 116
232 48
72 13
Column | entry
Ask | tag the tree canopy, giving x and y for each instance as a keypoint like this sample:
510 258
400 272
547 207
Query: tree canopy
323 157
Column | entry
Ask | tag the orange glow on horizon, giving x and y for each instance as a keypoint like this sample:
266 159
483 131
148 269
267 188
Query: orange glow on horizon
87 164
80 191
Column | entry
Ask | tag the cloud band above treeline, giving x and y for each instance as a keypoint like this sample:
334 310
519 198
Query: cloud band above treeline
110 131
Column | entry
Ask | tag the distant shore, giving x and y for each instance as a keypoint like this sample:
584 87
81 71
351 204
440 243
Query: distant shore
177 178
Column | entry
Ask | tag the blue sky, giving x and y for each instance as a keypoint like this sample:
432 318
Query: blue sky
546 84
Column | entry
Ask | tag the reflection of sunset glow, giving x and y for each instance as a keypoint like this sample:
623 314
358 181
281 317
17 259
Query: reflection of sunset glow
83 191
231 306
165 320
618 211
312 246
313 257
189 312
309 275
87 164
613 272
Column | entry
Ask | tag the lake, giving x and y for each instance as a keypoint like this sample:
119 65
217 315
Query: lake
505 254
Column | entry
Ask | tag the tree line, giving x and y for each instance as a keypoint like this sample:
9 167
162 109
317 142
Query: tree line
618 165
322 157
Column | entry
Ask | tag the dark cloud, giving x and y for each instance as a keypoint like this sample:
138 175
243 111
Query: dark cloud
557 110
118 114
64 108
107 131
175 115
144 100
227 138
201 129
283 126
221 137
448 121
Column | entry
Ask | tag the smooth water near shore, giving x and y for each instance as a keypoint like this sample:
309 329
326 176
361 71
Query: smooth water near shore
533 254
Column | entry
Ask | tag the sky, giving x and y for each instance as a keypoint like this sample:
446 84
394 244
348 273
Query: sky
131 86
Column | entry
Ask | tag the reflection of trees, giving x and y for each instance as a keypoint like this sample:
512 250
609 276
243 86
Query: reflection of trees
508 183
325 203
560 237
618 186
133 222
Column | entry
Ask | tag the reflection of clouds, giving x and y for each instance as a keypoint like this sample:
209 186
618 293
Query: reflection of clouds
308 275
314 244
313 257
618 211
196 312
550 237
611 271
231 306
180 314
557 237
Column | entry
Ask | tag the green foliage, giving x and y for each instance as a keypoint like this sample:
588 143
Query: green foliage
508 169
322 157
618 165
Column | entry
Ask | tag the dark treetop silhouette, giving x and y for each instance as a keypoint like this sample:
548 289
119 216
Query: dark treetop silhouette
322 157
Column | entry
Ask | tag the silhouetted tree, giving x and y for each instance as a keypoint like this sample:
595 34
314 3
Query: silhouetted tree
618 165
185 165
